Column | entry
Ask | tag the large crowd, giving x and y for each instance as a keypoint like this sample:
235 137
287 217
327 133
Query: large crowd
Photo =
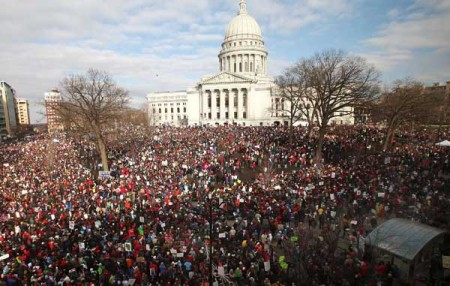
247 199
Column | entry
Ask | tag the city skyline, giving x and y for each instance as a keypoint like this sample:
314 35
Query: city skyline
170 45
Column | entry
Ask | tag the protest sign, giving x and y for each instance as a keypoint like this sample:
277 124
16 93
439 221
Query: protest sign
102 175
4 256
446 262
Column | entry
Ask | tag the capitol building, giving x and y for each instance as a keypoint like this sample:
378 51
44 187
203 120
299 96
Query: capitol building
241 93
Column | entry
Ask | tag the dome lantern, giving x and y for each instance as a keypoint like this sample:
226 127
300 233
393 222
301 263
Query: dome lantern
243 7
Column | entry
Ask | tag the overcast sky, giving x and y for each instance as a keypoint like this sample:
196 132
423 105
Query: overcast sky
152 45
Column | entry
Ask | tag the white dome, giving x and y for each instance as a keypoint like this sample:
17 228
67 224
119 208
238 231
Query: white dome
243 26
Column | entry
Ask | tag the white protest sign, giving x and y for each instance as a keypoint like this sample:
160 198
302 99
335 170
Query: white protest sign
332 197
5 256
267 266
82 246
141 219
221 271
71 224
127 246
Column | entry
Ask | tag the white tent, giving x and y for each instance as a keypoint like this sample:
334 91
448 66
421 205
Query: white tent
445 143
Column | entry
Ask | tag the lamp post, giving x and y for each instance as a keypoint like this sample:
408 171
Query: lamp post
210 239
211 233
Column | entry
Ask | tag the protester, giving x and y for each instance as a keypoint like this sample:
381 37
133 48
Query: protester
270 215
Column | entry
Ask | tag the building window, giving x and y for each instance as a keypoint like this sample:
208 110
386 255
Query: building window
244 99
178 110
226 115
218 115
165 110
209 115
160 110
240 67
235 115
227 100
244 115
209 100
235 99
171 110
184 109
234 67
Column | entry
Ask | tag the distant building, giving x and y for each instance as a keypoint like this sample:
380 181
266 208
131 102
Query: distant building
8 117
438 87
52 100
23 111
444 109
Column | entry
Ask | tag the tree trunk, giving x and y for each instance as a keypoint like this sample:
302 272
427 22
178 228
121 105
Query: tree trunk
103 155
318 153
388 139
309 131
291 130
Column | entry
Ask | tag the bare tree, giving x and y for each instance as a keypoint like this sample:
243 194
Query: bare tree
338 81
91 102
294 98
406 102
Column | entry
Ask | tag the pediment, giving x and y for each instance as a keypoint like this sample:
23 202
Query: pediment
226 77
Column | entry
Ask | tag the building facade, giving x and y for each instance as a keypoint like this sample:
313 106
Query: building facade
53 99
8 116
23 111
241 93
443 110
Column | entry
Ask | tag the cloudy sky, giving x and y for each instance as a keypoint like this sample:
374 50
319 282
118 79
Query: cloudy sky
152 45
